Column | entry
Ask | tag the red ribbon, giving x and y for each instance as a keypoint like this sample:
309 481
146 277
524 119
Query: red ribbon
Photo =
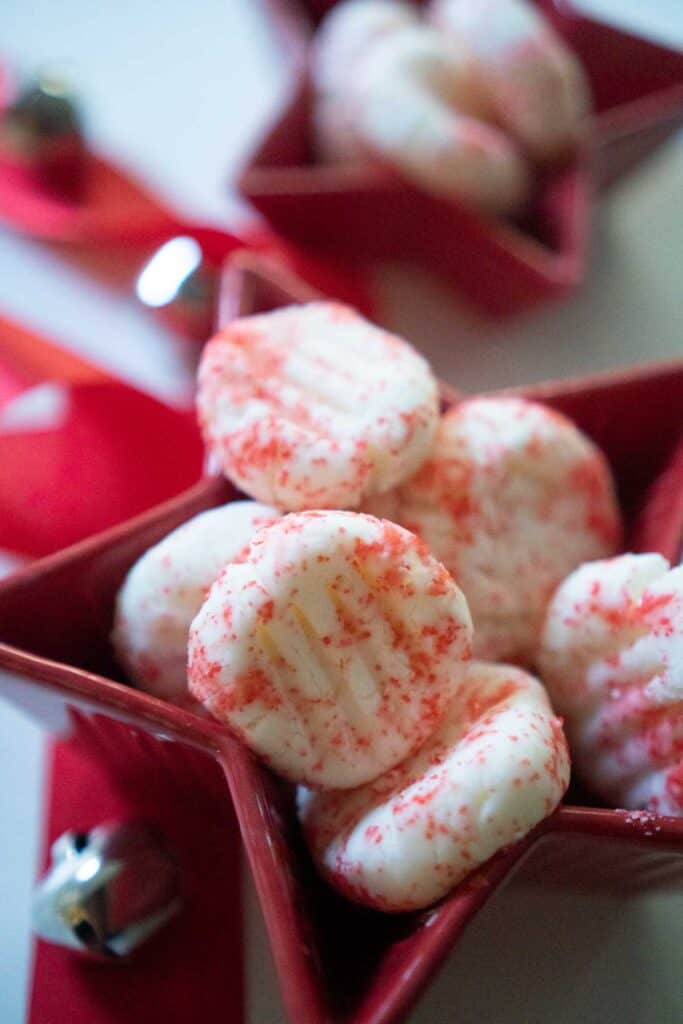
79 449
118 214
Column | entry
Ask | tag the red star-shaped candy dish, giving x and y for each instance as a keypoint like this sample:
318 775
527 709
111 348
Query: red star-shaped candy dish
335 962
501 267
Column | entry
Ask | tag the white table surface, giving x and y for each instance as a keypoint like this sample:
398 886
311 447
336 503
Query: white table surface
177 92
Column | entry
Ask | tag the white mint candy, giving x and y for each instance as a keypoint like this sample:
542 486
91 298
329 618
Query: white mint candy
413 105
512 498
536 87
312 406
347 32
345 35
494 769
165 589
331 647
415 108
612 657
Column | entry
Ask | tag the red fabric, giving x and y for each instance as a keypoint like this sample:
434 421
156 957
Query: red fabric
193 970
117 453
121 217
112 453
114 208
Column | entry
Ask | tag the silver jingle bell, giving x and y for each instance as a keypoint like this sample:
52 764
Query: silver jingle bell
42 131
180 286
107 890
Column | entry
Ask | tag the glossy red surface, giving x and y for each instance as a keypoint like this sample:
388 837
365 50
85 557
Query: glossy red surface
500 267
335 962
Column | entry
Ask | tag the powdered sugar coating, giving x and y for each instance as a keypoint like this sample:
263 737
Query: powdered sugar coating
496 767
536 86
314 407
512 499
612 657
331 647
165 589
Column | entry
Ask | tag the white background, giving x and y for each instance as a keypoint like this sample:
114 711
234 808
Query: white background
177 91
